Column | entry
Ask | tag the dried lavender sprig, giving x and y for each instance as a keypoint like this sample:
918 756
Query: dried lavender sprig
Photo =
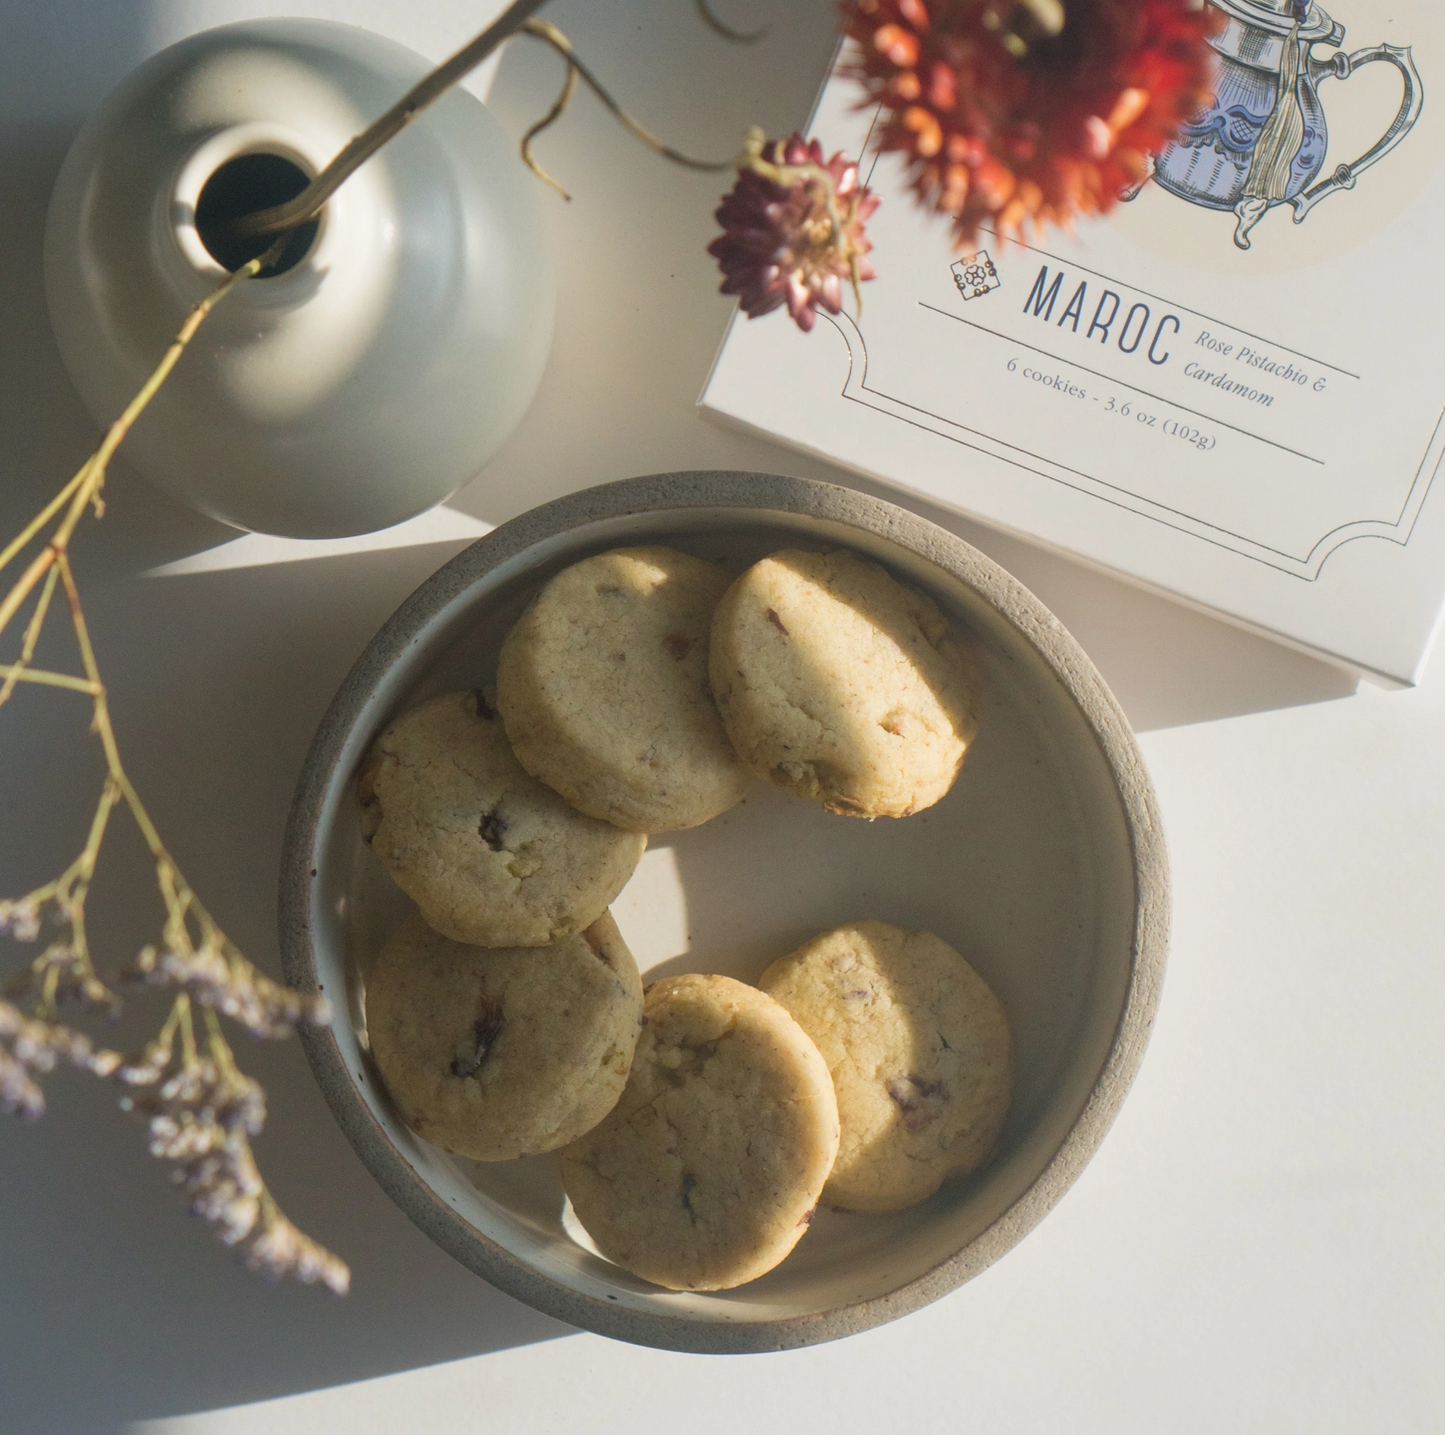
194 1109
20 918
31 1048
201 1119
20 1093
208 1111
225 1189
61 973
281 1250
228 983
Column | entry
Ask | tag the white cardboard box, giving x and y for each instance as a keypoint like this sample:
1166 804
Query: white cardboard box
1254 431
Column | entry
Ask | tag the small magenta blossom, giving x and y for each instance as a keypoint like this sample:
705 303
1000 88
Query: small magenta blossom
793 229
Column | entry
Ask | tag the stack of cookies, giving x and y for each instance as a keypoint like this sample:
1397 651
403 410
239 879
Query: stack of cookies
700 1121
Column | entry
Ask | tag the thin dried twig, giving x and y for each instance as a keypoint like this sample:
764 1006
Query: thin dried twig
517 18
20 673
203 1111
549 34
738 37
425 92
569 86
84 489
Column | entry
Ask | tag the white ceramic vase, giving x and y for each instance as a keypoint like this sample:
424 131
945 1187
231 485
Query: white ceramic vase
375 376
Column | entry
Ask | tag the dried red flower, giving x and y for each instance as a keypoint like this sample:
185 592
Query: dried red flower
793 229
1027 112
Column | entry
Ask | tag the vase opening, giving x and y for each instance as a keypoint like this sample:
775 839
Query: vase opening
241 186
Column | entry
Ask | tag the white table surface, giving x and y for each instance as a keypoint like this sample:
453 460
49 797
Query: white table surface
1255 1248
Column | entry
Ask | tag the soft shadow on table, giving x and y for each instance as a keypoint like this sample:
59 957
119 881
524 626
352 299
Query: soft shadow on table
116 1306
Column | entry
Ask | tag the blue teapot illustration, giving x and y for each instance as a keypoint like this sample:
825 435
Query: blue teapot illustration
1262 142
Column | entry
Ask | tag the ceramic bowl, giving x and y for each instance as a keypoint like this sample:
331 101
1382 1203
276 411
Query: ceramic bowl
1045 866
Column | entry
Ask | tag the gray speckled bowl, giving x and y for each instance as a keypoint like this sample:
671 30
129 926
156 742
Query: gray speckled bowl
1045 865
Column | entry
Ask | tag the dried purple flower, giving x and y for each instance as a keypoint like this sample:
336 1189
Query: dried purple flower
225 1189
793 229
20 919
202 1118
144 1067
230 985
195 1110
20 1094
281 1250
31 1048
61 973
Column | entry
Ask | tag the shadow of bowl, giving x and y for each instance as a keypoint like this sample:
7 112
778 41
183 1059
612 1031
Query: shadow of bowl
1045 866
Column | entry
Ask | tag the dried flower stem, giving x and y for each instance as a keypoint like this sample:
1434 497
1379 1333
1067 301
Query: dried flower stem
19 673
425 92
32 636
550 35
738 37
70 962
517 18
203 1115
569 86
85 487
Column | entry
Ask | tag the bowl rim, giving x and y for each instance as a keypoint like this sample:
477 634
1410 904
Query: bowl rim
748 493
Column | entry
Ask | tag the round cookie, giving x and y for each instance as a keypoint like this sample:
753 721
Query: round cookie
495 1052
602 685
838 681
919 1051
708 1170
489 854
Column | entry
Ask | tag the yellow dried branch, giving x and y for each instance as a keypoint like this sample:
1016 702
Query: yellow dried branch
425 92
18 673
13 674
203 1115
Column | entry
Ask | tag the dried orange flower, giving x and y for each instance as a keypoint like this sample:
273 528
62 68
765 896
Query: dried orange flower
1029 112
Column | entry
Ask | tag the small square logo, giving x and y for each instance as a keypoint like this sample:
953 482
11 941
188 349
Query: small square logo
975 276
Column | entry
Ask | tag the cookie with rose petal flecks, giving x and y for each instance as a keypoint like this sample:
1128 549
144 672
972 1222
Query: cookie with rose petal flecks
838 681
920 1054
708 1170
490 855
497 1052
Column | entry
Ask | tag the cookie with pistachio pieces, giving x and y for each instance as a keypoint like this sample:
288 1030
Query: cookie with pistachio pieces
840 682
708 1170
919 1050
603 688
493 1052
490 855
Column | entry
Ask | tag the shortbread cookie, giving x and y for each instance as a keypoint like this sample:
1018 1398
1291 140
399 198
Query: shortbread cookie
709 1168
602 685
918 1047
838 681
489 854
499 1052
